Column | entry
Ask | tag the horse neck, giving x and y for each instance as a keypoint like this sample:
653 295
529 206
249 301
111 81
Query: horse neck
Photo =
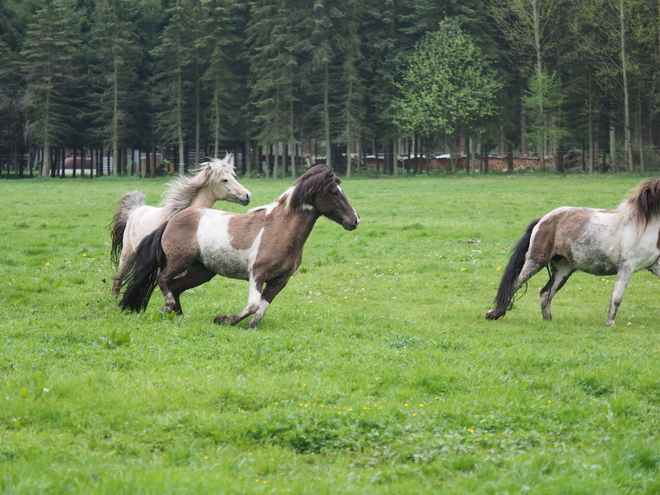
300 224
204 198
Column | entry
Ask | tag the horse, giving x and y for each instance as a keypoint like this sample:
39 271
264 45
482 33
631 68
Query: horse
598 241
263 246
214 180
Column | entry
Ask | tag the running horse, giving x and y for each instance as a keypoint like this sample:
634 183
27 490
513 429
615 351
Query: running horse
601 242
263 246
133 220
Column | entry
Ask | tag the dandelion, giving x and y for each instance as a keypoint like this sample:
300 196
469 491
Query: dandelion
499 268
406 405
47 264
84 254
463 269
470 430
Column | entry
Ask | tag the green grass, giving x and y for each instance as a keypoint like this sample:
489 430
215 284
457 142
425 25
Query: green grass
374 371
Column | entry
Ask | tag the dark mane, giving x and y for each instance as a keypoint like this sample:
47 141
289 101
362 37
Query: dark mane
645 203
317 179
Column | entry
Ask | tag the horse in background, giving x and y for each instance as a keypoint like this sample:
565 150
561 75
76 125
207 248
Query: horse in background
134 220
601 242
263 246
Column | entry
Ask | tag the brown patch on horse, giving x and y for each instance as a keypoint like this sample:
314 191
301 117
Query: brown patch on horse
556 234
180 235
244 229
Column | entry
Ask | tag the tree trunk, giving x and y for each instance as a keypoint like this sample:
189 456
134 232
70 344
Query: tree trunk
45 171
642 164
591 128
524 147
539 70
612 144
626 98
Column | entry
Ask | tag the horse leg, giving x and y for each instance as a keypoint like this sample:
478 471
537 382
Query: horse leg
197 274
258 302
620 284
273 287
166 282
559 273
125 259
529 269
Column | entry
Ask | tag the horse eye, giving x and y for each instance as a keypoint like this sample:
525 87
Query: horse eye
225 180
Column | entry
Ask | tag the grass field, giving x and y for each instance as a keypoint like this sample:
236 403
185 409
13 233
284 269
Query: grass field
373 372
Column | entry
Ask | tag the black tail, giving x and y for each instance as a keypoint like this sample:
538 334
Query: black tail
127 204
141 278
507 288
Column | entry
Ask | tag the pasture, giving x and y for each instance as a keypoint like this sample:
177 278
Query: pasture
374 371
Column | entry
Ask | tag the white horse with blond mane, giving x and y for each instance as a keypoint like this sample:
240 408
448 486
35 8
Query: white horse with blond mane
213 181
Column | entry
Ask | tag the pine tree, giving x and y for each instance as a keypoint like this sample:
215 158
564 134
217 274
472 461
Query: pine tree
172 79
114 73
48 57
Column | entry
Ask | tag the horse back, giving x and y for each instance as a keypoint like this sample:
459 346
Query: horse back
565 229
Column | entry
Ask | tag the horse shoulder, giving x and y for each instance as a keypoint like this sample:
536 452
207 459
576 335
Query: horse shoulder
181 232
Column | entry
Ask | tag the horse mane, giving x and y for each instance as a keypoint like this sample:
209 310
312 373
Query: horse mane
317 179
644 204
184 188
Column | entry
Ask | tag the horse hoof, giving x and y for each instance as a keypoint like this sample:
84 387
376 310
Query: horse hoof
610 323
494 314
221 320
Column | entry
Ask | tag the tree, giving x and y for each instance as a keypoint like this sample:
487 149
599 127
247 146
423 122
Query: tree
446 86
531 26
172 76
546 126
48 64
114 72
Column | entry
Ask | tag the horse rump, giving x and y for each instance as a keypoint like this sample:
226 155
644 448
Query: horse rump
509 283
129 202
142 276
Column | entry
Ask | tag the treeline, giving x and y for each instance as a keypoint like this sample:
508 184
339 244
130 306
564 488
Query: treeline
574 82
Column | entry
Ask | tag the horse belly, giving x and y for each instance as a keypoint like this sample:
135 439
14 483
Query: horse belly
216 252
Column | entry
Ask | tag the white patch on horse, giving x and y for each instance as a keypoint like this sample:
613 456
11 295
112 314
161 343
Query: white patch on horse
356 214
217 252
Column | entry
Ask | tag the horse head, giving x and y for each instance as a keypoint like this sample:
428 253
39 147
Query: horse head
319 189
219 177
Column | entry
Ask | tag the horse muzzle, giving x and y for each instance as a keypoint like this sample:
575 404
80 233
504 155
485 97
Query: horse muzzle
351 223
244 200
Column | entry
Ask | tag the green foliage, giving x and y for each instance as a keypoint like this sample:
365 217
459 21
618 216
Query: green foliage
373 372
545 92
446 85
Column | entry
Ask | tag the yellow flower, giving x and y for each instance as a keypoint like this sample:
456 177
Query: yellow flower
470 430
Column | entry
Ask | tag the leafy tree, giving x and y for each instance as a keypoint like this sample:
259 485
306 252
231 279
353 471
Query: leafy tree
447 85
546 126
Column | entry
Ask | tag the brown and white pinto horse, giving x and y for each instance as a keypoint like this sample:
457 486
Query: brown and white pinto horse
263 246
601 242
133 221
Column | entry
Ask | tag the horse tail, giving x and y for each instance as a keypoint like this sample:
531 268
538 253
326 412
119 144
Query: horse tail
142 276
125 207
507 288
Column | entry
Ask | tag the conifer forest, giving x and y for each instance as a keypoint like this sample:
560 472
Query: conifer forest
123 87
